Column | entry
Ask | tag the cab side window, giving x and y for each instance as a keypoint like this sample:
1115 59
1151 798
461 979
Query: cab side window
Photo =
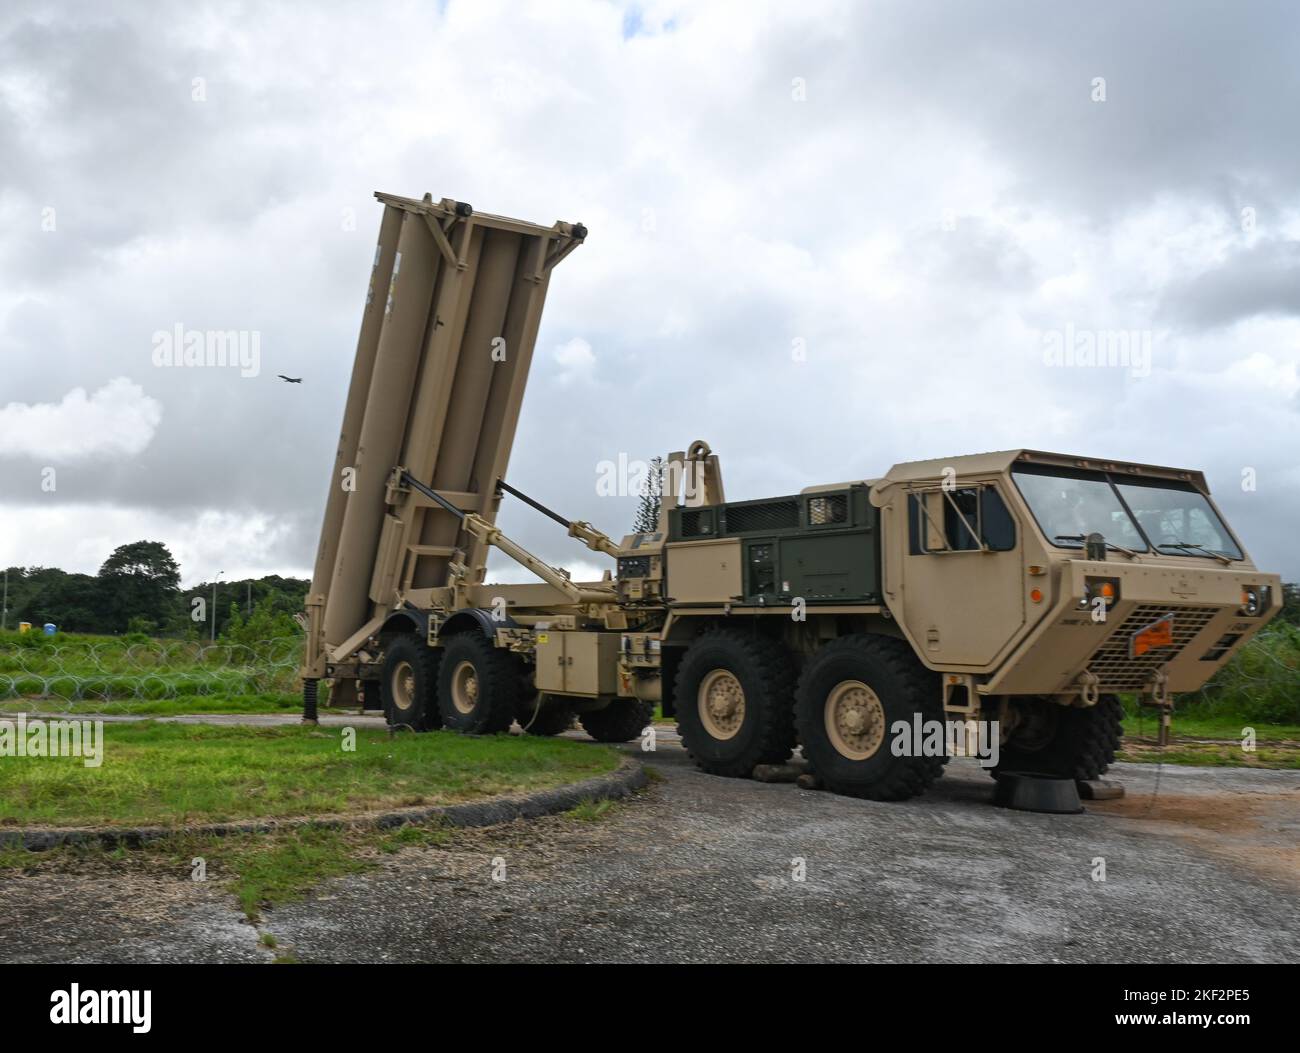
965 519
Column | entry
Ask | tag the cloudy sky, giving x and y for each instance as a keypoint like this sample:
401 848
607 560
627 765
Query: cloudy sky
825 236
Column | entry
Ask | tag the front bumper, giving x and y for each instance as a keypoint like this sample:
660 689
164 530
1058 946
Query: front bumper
1207 630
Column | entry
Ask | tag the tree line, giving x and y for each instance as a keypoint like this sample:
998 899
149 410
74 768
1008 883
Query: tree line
138 589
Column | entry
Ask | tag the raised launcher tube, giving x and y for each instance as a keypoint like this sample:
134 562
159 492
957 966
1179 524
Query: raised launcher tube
442 362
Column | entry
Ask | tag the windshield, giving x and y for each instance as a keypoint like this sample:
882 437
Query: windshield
1174 518
1070 506
1177 519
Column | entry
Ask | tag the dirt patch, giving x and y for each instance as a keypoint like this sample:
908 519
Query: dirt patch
1259 831
116 910
1224 812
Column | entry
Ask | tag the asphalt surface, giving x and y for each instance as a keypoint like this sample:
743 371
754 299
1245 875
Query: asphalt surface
1200 865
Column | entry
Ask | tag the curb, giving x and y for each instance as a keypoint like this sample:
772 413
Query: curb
627 778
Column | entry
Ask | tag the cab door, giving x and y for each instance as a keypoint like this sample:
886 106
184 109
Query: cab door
959 572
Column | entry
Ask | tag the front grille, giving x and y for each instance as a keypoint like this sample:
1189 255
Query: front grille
1120 672
764 515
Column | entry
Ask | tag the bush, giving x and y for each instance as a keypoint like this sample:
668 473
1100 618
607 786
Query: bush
1261 683
260 627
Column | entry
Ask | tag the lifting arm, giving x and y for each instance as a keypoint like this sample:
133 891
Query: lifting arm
584 532
478 527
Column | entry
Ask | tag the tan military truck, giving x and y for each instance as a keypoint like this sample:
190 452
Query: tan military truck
1021 589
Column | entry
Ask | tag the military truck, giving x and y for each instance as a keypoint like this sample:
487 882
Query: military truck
1022 591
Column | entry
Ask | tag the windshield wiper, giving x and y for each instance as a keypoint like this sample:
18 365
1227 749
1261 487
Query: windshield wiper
1082 538
1185 545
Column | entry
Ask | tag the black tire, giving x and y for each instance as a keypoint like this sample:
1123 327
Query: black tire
552 718
901 685
621 721
1080 743
479 686
724 743
408 689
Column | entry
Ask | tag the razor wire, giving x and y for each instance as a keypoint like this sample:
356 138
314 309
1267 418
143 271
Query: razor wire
104 675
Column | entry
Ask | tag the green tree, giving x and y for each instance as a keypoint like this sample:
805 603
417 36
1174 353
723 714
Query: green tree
47 594
140 580
647 509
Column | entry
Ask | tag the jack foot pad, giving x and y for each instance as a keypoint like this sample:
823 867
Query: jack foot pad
1029 792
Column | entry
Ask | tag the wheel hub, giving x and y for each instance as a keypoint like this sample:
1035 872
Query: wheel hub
403 684
721 704
855 720
464 687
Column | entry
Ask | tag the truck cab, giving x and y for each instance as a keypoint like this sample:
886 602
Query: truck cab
1032 573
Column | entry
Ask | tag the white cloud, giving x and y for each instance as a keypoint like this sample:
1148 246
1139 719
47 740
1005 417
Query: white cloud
79 537
576 360
118 420
727 221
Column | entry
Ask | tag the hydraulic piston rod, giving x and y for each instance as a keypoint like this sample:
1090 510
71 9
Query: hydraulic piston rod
476 526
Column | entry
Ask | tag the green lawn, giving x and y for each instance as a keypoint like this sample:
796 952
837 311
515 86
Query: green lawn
266 702
172 774
1196 726
1211 740
1211 755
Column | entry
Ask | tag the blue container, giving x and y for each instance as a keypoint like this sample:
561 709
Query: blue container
50 629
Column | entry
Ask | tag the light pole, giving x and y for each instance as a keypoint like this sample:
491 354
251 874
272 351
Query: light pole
214 605
4 608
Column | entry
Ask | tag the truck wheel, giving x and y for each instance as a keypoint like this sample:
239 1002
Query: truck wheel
552 718
408 689
1077 743
478 685
620 721
849 696
734 702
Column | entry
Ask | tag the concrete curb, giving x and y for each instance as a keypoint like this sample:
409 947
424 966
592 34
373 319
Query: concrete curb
627 778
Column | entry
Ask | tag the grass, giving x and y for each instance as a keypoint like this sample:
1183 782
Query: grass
262 871
590 811
265 702
265 873
1209 740
171 774
1212 755
1195 725
1207 735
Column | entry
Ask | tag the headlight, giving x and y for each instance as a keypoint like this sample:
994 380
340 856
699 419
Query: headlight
1255 600
1106 588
